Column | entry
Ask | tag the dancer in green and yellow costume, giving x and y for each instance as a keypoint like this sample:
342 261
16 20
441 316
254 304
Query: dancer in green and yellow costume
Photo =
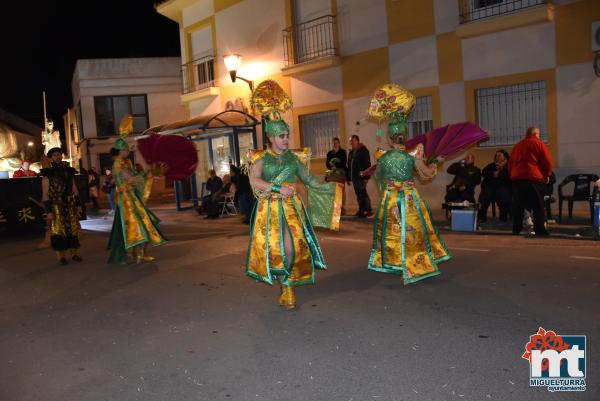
405 240
283 244
135 227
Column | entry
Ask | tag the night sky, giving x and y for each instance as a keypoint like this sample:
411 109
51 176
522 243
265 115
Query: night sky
42 40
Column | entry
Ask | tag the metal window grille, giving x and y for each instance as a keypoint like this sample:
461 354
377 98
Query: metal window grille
318 130
198 74
507 111
310 40
472 10
420 119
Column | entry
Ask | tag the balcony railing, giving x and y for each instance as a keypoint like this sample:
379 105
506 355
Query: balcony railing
198 74
474 10
310 40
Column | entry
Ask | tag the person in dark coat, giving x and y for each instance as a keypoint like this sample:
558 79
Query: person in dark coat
211 205
244 197
109 188
466 177
214 182
61 201
94 186
213 185
496 186
336 163
359 160
337 158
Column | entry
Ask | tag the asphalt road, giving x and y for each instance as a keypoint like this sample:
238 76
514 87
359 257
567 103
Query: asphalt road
192 326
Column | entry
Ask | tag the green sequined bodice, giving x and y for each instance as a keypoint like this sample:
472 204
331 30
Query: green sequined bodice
395 165
280 169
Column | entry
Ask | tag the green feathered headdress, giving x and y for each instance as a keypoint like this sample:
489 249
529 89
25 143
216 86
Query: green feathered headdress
121 144
276 127
125 129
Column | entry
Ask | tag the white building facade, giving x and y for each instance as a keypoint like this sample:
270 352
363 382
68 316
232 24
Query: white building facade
503 64
105 90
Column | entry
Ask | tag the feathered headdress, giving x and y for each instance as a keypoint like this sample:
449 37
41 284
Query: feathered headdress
125 129
270 100
393 103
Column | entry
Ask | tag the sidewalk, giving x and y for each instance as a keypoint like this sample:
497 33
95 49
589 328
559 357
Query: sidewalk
577 228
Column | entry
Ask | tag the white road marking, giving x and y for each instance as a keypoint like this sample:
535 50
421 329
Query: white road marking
584 257
453 248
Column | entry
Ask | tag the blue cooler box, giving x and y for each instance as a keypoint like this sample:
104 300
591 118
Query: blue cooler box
464 220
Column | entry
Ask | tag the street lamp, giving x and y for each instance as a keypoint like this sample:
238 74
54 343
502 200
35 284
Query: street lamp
232 63
30 144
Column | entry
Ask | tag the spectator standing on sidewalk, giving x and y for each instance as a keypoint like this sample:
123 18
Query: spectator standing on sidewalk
337 159
359 160
109 189
94 186
530 167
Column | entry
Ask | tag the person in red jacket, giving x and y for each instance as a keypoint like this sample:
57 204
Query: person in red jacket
529 166
24 171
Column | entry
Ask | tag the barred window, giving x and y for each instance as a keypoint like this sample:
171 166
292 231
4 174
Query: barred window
486 3
110 111
507 111
472 10
318 130
420 120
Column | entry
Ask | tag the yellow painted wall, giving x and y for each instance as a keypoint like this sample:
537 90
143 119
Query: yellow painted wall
363 72
449 55
574 31
410 19
434 92
233 91
241 89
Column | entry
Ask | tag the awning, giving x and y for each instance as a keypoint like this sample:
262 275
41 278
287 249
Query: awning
227 119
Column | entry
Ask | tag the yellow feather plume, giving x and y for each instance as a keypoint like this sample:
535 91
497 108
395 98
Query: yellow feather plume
126 126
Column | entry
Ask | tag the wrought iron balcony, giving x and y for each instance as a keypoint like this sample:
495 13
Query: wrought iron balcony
198 74
310 40
474 10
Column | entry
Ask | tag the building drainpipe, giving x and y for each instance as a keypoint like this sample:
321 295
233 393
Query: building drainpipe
87 143
89 156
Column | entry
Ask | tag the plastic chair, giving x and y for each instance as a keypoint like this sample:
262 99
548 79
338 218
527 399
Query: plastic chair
582 192
228 206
